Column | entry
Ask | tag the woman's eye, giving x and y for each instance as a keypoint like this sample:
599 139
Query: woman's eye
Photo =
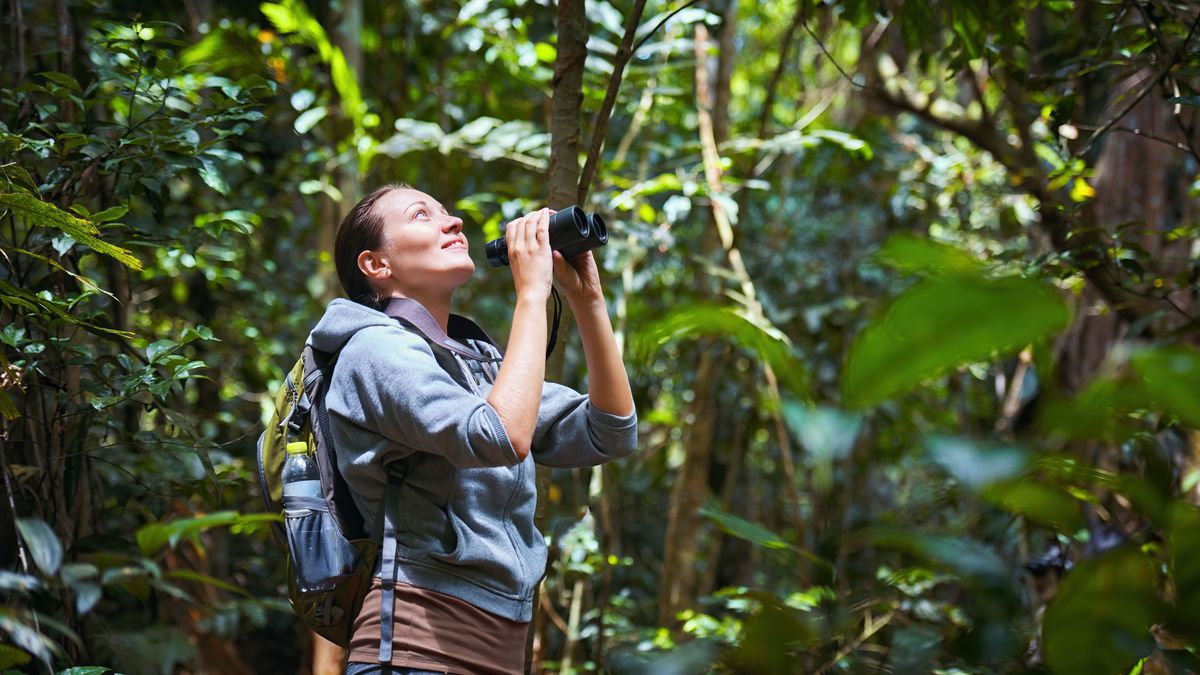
422 213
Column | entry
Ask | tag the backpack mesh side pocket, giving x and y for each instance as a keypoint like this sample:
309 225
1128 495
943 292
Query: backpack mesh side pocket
323 557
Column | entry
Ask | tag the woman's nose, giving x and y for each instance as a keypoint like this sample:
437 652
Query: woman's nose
453 224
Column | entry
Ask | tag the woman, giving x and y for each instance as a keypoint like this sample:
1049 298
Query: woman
458 428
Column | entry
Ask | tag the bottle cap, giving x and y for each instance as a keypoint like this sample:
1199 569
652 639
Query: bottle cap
297 448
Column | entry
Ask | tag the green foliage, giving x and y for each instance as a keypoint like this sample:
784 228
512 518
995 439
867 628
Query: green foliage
944 322
755 335
46 215
152 538
1125 580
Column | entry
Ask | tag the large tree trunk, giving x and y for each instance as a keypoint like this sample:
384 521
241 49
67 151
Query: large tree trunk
563 178
567 103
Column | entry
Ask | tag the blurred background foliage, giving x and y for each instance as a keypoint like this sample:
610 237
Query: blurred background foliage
907 291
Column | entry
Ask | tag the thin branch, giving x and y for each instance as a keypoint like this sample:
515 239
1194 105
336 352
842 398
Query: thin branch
1137 98
821 46
1149 136
624 52
660 24
982 136
785 46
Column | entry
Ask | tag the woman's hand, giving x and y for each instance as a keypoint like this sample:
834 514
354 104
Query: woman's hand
528 241
578 278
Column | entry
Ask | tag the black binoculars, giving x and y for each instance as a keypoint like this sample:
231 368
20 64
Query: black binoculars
571 233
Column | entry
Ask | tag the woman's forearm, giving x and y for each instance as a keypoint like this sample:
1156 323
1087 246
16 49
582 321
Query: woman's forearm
518 389
608 384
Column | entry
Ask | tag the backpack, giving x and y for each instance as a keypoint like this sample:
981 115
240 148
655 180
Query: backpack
331 558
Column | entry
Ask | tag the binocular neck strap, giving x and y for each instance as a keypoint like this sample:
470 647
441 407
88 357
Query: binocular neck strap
558 308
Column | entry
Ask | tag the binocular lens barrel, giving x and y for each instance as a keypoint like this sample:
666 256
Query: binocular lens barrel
571 233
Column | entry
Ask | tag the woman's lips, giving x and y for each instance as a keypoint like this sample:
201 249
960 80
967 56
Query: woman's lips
457 243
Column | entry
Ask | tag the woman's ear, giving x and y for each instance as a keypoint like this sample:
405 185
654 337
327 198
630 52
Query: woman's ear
374 266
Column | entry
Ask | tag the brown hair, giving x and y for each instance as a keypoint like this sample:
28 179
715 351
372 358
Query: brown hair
361 230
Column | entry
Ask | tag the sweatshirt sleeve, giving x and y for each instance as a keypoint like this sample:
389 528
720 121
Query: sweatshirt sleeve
571 432
389 381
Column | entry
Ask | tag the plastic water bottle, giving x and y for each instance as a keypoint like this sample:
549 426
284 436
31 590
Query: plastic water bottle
301 477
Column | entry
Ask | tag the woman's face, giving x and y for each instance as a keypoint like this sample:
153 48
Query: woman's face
422 246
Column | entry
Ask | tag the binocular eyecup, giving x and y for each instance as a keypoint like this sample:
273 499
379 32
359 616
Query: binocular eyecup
571 232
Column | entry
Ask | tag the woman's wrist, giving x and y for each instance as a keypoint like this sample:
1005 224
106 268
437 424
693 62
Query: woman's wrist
533 296
589 302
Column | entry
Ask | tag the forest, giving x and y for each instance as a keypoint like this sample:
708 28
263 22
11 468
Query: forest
908 294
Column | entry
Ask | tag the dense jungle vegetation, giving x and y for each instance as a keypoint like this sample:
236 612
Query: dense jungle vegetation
907 293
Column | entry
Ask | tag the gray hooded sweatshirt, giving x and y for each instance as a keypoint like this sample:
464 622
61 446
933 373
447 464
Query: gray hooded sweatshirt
467 503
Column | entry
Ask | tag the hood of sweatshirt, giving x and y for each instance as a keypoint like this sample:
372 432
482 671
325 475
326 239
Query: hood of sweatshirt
343 318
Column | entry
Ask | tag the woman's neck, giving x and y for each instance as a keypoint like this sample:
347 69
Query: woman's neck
436 304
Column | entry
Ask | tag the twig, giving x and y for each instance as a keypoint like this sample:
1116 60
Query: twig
624 52
764 116
870 627
658 25
821 46
555 617
1151 137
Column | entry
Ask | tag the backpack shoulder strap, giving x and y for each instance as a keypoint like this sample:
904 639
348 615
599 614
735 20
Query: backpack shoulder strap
387 574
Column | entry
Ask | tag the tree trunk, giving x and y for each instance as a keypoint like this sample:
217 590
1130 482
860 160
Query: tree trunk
677 581
563 178
567 103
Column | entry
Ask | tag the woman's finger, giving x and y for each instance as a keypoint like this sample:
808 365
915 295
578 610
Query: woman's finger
542 231
513 234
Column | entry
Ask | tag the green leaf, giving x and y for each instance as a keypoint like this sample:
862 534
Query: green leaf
152 538
766 341
969 559
62 79
1156 379
110 214
11 656
921 255
280 16
87 594
975 464
15 581
213 176
756 534
42 543
826 434
1042 504
160 348
346 82
38 212
1184 566
191 575
943 323
12 296
85 670
17 625
309 119
744 529
1100 619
